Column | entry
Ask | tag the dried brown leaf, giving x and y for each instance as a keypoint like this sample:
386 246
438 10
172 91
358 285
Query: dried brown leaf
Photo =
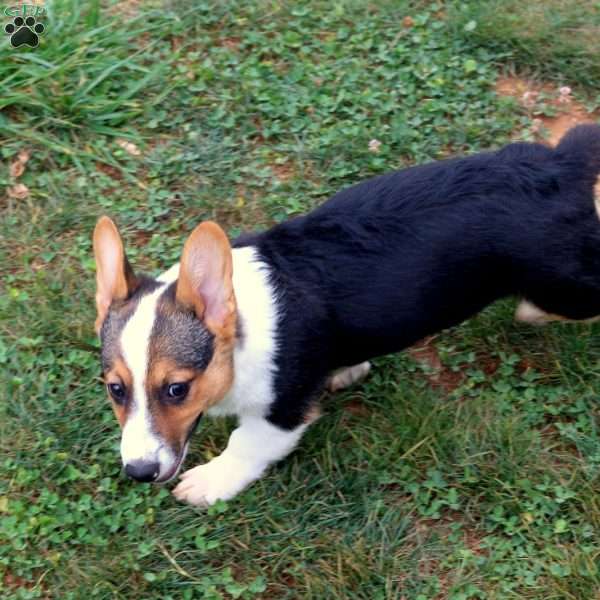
18 191
129 147
16 169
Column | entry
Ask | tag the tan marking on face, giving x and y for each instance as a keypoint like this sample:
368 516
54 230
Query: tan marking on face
119 373
173 422
165 371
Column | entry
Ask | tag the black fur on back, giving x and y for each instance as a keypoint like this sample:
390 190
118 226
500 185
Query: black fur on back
391 260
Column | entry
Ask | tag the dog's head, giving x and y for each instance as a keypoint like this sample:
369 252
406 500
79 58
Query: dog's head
167 345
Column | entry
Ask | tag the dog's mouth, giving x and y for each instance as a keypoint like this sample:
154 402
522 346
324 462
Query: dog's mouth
173 472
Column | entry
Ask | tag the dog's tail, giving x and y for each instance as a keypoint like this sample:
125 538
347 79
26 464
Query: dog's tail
580 150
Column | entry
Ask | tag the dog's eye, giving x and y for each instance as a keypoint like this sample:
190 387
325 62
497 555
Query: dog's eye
117 391
177 391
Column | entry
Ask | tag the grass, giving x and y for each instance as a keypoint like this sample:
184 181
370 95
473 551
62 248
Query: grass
467 469
522 34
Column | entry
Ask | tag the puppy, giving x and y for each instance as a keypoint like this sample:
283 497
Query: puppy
257 328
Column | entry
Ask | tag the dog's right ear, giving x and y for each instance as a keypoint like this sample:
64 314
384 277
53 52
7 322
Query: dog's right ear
115 279
205 281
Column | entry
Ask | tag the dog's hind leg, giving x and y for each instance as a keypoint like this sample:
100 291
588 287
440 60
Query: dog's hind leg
343 378
527 312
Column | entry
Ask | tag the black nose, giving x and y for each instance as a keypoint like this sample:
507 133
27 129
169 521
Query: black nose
142 471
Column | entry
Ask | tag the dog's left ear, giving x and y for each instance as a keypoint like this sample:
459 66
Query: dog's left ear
115 279
205 281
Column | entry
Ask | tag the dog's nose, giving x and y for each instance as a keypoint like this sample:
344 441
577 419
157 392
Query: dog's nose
142 471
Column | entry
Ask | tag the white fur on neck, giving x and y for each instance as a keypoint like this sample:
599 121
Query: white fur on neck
254 356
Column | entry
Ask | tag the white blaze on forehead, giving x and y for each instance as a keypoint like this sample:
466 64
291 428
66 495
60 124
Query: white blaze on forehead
138 440
171 275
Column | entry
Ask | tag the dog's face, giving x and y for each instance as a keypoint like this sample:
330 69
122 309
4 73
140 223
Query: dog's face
167 345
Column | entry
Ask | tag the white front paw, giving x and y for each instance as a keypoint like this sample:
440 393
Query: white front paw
220 479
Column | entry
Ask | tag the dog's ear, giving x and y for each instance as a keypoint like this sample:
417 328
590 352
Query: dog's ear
115 279
205 277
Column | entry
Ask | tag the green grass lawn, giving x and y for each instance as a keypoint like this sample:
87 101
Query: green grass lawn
467 469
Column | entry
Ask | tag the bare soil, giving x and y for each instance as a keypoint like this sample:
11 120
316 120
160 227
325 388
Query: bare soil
569 112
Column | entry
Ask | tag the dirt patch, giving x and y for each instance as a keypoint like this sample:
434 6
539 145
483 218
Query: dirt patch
141 238
426 353
471 538
442 377
112 172
15 583
125 8
489 364
425 529
283 172
541 98
231 43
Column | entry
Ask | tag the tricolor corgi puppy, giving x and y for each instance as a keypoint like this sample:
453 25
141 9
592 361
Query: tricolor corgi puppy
259 327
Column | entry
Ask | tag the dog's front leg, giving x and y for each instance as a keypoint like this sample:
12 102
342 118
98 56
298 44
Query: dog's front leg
252 448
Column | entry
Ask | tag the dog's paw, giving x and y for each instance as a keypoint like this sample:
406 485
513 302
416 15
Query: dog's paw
220 479
527 312
344 378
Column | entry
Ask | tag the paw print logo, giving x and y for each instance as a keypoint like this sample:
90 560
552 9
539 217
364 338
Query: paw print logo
24 31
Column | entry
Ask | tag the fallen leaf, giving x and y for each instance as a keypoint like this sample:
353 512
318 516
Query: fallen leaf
16 169
408 22
129 147
374 145
18 191
357 408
